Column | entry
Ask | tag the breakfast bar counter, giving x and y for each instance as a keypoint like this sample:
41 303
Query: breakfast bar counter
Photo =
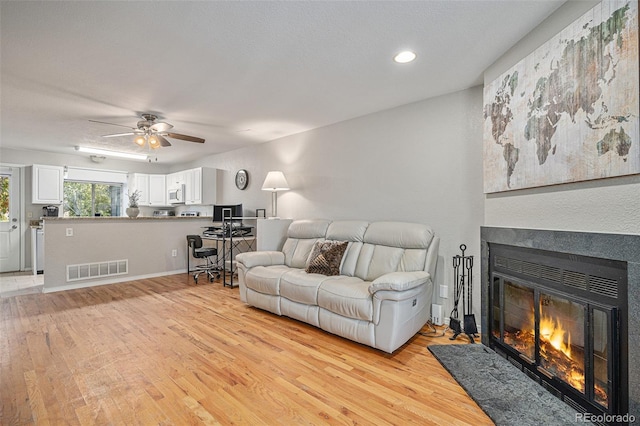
123 218
88 251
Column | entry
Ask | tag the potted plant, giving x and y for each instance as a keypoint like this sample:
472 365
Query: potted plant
133 210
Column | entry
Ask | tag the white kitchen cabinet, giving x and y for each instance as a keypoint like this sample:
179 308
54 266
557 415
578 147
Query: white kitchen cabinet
189 188
157 190
141 184
200 185
47 184
175 179
153 189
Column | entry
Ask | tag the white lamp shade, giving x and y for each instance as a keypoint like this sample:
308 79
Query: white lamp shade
275 181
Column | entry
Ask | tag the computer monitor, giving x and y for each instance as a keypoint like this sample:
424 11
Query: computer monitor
220 212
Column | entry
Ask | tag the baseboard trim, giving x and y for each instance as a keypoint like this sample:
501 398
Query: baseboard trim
120 279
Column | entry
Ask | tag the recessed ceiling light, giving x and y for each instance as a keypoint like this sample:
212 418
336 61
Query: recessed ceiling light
404 57
111 153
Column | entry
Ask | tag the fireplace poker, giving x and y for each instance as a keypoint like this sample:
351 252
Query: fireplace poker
470 327
454 320
463 271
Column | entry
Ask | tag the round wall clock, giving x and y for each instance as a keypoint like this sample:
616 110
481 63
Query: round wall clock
242 179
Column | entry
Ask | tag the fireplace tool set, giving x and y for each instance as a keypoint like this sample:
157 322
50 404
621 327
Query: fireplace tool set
463 276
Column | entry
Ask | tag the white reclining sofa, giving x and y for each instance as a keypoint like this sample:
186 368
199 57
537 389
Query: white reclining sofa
381 295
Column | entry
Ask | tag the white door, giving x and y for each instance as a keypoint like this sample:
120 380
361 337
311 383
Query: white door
10 227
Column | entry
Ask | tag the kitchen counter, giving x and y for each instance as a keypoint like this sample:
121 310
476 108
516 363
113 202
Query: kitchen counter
86 251
123 219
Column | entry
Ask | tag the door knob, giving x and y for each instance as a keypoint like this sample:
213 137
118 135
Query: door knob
15 219
14 227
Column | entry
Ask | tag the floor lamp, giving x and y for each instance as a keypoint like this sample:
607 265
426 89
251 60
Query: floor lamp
274 182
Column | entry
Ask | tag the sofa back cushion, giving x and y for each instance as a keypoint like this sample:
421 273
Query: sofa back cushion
301 236
391 247
353 232
374 249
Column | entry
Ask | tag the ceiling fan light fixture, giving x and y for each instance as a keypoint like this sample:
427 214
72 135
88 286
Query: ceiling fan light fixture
151 131
154 142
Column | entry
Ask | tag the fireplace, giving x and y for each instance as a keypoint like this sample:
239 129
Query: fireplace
559 306
560 318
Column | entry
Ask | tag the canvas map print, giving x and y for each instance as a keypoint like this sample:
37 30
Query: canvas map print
569 111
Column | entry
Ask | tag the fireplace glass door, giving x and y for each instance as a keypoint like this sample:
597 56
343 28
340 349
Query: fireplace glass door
601 362
556 336
519 319
561 319
562 339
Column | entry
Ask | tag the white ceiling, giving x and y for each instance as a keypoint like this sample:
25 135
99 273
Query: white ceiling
235 73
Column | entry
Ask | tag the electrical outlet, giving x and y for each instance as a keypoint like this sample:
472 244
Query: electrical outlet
444 291
436 314
174 253
69 232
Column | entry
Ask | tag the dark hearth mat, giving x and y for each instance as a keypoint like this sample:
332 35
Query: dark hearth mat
505 393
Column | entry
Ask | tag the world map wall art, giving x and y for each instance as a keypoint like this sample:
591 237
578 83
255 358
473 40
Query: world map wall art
570 110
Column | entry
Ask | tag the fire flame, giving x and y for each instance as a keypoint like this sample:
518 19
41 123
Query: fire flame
555 354
552 331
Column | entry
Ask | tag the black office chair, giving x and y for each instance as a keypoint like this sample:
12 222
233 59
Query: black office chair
199 252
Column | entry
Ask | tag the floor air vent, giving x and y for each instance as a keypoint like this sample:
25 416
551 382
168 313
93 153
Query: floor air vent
87 271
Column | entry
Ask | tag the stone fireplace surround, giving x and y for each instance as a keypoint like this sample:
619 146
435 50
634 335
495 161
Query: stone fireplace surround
620 247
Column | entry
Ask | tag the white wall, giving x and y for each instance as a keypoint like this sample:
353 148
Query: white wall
606 205
420 162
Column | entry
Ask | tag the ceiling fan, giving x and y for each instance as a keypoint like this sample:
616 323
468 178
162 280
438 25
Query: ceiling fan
152 132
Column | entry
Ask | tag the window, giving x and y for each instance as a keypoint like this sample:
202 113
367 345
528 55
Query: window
4 198
92 199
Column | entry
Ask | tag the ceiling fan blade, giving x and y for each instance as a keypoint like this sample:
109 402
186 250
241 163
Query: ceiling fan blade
112 124
115 135
185 137
163 141
161 127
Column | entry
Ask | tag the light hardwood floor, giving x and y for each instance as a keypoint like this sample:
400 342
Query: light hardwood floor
166 352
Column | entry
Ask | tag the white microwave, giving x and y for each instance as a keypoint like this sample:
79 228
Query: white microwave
175 194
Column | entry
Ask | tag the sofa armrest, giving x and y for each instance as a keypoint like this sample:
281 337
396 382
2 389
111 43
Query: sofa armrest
260 258
399 281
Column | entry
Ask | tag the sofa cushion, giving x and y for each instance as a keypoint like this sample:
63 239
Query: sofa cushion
347 230
301 287
399 281
357 330
326 257
300 311
399 234
350 259
265 279
260 258
308 228
301 236
352 231
393 246
346 296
